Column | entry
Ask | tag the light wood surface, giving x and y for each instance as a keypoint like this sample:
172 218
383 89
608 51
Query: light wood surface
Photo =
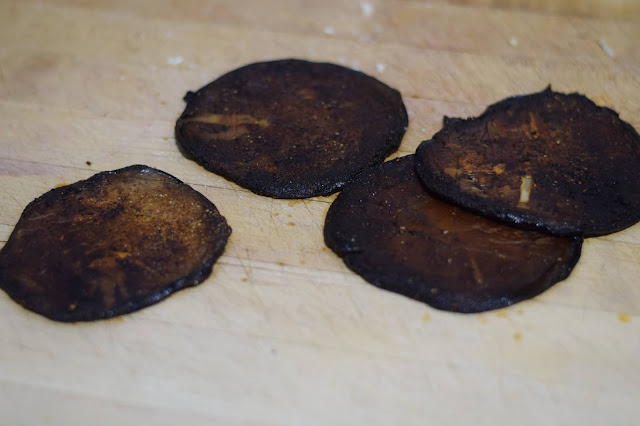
283 333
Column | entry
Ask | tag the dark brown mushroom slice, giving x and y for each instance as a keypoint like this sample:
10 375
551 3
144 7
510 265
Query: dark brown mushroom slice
291 128
112 244
548 161
389 230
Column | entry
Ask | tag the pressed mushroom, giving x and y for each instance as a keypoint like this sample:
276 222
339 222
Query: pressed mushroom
291 128
547 161
112 244
388 229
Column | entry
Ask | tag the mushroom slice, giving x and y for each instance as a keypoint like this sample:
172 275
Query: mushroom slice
112 244
389 230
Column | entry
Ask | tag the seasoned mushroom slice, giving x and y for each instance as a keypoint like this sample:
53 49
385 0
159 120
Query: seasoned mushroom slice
546 161
388 229
291 128
112 244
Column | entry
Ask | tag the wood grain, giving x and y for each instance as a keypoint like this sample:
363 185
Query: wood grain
283 333
614 9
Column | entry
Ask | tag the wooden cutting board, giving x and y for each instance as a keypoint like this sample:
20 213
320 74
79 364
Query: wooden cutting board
283 333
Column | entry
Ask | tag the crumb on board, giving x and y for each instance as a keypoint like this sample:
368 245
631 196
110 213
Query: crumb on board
513 41
366 8
606 48
175 60
624 317
380 67
329 30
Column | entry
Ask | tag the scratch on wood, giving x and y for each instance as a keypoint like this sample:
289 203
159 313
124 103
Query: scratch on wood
247 270
304 203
